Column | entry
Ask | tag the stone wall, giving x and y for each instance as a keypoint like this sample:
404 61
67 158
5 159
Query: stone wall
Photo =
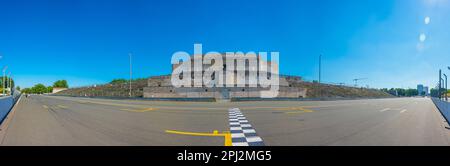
160 87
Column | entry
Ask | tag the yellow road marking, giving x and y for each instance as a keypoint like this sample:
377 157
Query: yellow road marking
215 133
205 108
112 104
288 108
138 107
296 110
138 110
62 106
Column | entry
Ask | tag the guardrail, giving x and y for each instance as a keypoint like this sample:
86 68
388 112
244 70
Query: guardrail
6 104
444 108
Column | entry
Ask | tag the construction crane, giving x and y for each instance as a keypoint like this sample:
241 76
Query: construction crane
358 79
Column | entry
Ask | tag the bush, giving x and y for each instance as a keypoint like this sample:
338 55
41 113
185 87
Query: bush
61 84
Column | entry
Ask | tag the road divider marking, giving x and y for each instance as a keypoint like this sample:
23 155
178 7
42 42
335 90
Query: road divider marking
295 110
310 106
404 110
386 109
215 133
110 104
143 105
300 111
139 110
242 132
45 106
62 106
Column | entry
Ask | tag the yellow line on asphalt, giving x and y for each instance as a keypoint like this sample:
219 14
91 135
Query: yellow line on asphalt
298 110
62 106
159 107
287 108
138 110
215 133
112 104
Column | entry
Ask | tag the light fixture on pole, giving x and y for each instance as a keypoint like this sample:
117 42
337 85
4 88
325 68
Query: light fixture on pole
320 74
446 97
9 82
131 74
440 84
3 79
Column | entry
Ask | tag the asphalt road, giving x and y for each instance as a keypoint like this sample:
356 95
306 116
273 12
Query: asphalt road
50 120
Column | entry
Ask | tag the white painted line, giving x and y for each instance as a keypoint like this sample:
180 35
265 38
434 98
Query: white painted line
386 109
240 144
254 139
404 110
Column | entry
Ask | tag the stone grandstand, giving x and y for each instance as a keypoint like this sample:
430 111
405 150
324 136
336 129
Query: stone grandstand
160 84
108 90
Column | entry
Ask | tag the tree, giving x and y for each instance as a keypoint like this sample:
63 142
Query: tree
6 82
49 89
39 89
26 91
400 92
61 84
18 88
434 92
411 92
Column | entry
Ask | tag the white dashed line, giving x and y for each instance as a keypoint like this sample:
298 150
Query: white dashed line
386 109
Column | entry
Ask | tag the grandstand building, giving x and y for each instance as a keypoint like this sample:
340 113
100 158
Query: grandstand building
161 86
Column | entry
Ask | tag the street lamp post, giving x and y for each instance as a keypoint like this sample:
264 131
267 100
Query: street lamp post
446 98
320 75
131 74
3 79
440 84
9 82
320 67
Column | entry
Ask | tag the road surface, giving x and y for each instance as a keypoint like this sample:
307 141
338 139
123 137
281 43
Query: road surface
51 120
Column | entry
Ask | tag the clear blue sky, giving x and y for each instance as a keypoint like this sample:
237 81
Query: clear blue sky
88 41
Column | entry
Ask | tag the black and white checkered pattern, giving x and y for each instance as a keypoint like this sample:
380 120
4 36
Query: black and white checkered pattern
242 132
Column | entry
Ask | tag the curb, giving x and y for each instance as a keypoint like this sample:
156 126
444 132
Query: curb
4 125
444 118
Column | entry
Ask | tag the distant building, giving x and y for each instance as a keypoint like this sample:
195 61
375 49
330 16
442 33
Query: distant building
420 90
426 90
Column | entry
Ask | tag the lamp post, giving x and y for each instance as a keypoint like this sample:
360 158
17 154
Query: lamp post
440 84
11 87
446 98
320 67
3 79
320 75
131 74
9 82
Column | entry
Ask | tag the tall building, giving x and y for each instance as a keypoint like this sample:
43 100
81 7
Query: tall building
426 90
420 90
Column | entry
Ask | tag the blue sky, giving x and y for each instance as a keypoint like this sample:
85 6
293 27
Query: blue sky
88 41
